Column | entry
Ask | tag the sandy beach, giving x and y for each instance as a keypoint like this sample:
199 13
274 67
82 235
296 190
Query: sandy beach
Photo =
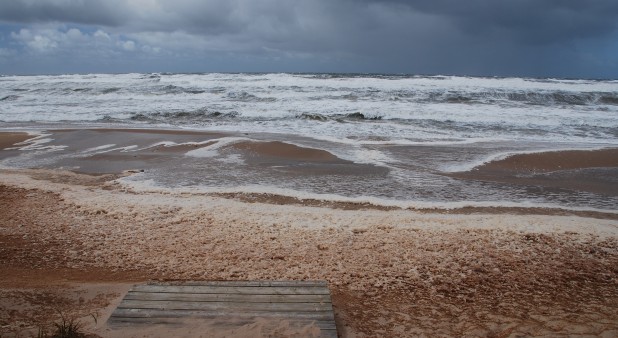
75 242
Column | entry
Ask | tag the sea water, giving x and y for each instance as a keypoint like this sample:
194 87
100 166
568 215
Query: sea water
403 134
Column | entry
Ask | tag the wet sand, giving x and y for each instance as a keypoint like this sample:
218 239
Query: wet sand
579 170
554 161
492 272
8 140
111 151
286 151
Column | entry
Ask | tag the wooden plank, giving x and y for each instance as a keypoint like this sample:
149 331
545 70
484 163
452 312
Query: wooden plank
243 290
217 322
220 306
228 305
222 297
327 328
158 313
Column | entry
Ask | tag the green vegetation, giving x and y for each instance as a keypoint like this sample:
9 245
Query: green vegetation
67 328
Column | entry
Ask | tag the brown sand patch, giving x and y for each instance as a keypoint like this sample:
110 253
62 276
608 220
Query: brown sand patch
7 140
37 283
552 170
556 160
386 280
286 151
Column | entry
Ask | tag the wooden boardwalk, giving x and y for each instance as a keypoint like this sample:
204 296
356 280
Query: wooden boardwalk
226 305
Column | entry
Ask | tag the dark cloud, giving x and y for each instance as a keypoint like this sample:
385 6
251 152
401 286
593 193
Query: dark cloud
479 37
534 21
94 12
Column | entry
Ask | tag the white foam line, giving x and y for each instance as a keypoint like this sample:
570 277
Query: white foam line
213 150
121 149
95 149
401 142
37 143
367 156
165 144
168 144
127 148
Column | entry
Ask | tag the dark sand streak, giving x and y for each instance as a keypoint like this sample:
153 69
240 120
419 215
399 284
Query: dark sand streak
555 160
575 170
8 140
287 151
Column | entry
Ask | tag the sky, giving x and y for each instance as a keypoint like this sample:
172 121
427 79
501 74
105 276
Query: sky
531 38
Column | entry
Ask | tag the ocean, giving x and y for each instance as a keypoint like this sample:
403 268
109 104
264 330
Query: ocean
387 140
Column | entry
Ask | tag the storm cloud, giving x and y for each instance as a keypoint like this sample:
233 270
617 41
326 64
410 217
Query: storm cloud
565 38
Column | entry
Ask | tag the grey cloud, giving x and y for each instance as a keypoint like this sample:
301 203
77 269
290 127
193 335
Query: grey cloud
211 16
94 12
526 21
492 37
533 21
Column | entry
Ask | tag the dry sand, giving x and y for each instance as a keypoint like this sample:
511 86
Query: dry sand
391 272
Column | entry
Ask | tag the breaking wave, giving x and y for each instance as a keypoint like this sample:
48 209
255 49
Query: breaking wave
187 116
327 105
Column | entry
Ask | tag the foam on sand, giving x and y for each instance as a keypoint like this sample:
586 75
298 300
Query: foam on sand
211 149
229 211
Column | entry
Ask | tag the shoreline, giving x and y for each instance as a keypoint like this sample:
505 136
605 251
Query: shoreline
119 151
275 199
85 179
77 188
574 170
